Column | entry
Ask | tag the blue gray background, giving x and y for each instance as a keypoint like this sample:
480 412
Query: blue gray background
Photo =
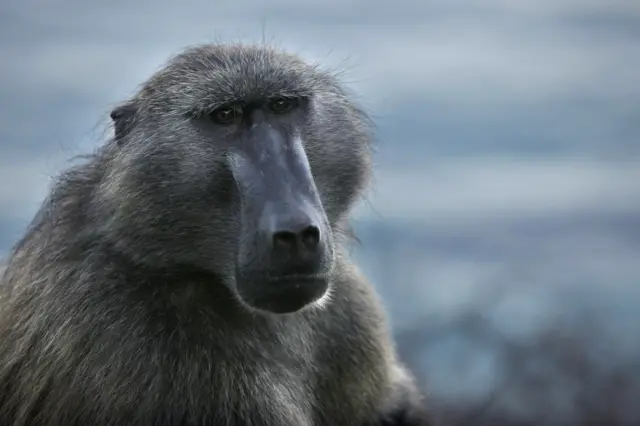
507 200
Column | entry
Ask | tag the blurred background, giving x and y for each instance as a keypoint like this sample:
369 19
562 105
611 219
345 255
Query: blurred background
503 231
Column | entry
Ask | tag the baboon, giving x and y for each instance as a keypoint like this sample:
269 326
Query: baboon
194 269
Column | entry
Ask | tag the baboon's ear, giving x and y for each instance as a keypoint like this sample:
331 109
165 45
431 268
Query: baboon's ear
123 118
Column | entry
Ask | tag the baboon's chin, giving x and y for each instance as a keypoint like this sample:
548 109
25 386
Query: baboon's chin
283 295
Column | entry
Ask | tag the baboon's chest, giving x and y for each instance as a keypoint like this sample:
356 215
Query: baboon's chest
270 387
195 391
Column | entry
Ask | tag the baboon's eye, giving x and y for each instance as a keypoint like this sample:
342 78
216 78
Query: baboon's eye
224 115
281 105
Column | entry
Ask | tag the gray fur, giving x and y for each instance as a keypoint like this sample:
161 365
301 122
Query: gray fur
117 307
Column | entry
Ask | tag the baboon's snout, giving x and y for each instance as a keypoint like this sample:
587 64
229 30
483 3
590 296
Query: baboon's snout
285 250
292 235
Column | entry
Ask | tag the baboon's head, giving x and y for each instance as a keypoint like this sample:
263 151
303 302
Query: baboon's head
242 161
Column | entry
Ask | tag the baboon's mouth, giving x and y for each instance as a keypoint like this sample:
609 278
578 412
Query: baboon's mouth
285 294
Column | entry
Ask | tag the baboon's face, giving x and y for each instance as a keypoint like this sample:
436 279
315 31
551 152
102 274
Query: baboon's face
241 161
